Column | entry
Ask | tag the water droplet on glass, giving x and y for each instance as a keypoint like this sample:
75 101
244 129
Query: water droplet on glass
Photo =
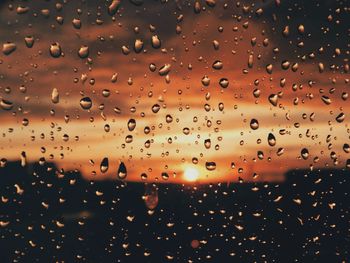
83 51
164 70
254 124
138 46
86 103
271 139
273 99
121 173
305 153
224 83
155 108
131 124
211 166
217 65
104 165
55 50
341 117
113 7
156 43
29 40
8 48
55 97
6 105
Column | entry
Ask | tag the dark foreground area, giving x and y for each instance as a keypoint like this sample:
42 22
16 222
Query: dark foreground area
48 216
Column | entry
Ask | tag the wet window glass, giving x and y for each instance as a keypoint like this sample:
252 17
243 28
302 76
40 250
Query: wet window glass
174 131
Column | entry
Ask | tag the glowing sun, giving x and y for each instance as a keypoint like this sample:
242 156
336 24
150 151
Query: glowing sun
191 174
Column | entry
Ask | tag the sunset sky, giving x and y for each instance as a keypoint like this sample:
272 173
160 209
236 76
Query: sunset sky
309 74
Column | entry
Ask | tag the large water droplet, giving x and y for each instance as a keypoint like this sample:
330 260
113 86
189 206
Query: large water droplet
121 173
86 103
305 153
113 7
341 117
164 70
156 43
155 108
138 46
55 97
211 166
224 83
254 124
217 65
104 165
83 51
271 139
55 50
8 48
6 105
273 99
29 40
131 124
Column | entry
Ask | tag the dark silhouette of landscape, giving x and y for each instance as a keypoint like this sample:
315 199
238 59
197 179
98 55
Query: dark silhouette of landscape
48 216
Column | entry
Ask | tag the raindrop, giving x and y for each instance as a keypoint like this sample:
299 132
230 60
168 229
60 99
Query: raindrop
121 173
168 118
83 51
341 117
151 196
271 139
104 165
55 50
207 143
113 7
211 166
6 105
138 46
164 70
8 48
165 176
326 100
23 159
86 103
156 43
55 97
131 124
273 99
217 65
128 138
269 68
224 83
305 153
346 148
155 108
206 80
186 131
254 124
29 41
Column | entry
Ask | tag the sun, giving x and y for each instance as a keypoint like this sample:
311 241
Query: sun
191 174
